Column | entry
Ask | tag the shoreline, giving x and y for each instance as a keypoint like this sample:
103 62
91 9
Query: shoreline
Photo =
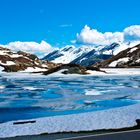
108 119
71 135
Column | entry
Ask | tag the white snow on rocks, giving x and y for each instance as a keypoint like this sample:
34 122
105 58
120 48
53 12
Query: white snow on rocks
114 63
36 69
7 52
15 55
8 63
138 60
133 49
3 52
95 72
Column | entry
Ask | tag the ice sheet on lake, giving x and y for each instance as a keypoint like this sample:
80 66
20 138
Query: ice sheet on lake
105 119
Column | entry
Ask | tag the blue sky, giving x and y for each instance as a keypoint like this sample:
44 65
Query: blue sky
58 21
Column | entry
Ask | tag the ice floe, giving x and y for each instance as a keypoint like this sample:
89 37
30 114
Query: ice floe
30 88
2 87
92 92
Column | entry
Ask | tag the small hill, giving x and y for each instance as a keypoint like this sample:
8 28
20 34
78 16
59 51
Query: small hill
21 61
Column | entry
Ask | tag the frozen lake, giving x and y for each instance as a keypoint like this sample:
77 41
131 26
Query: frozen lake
28 96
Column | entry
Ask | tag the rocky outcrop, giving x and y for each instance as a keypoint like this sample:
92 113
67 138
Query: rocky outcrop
124 59
71 69
68 69
21 61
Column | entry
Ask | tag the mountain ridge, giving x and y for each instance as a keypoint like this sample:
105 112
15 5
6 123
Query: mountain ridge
129 57
87 55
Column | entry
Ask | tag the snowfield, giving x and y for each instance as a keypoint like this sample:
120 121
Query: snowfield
70 53
114 63
106 119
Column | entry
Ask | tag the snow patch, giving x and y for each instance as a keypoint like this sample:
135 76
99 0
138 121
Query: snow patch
15 55
36 69
114 63
133 49
138 61
95 72
8 63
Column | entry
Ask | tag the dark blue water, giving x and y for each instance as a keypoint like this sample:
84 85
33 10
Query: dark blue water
26 96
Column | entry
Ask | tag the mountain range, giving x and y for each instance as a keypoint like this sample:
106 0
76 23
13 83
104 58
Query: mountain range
74 59
129 57
87 55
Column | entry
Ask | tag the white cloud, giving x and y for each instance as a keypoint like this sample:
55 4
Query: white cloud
94 37
39 49
132 33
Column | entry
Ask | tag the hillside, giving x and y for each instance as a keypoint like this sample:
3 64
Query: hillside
126 58
20 61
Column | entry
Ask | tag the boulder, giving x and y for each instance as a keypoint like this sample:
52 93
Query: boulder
71 69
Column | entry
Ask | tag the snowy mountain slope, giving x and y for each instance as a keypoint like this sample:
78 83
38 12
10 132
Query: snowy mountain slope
129 57
66 54
87 55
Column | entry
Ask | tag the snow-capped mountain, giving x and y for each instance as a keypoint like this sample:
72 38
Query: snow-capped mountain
87 55
67 54
129 57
